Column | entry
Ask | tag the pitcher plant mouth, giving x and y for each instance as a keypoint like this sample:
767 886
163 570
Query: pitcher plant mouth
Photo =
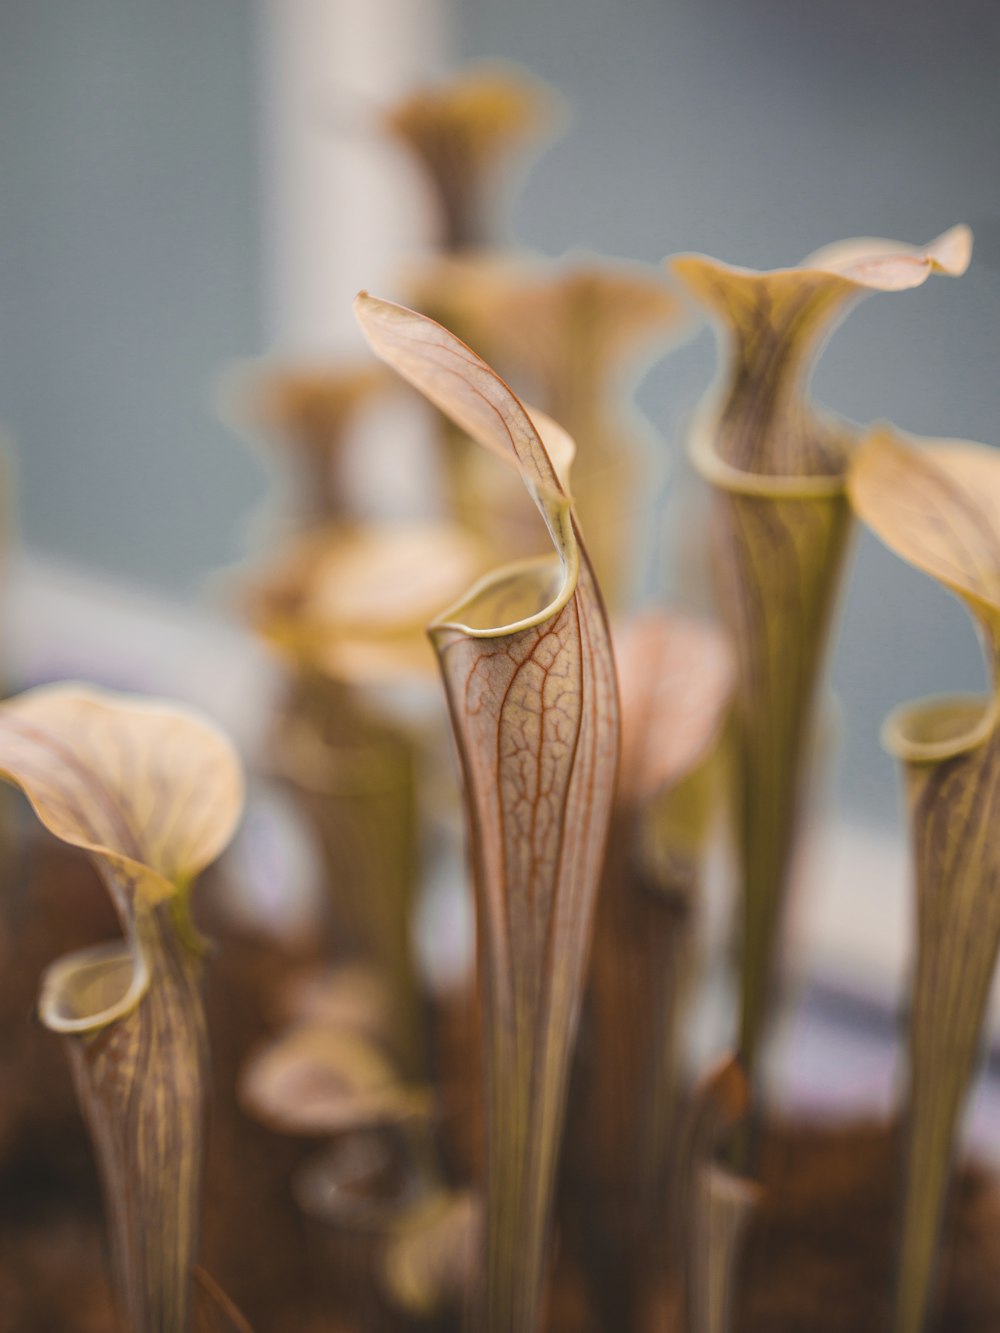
518 597
773 324
931 730
709 464
320 1080
87 990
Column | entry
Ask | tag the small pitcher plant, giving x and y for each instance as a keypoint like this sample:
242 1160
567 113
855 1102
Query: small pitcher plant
939 508
152 793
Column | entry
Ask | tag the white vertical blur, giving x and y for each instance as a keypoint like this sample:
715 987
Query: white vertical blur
340 204
342 207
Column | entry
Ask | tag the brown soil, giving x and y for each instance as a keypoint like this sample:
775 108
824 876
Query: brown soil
820 1256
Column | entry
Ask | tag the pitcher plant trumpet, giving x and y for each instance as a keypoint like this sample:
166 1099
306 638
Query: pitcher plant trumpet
309 413
528 671
347 609
466 134
777 465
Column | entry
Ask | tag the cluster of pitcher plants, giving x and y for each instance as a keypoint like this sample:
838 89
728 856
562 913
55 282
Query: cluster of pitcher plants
516 1140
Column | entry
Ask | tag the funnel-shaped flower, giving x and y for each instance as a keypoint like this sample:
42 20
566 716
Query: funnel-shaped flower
781 521
353 996
464 134
939 508
352 603
577 334
348 608
152 793
576 330
527 664
309 413
320 1079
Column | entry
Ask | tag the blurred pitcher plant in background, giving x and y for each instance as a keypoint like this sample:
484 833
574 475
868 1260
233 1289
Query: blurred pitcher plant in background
527 665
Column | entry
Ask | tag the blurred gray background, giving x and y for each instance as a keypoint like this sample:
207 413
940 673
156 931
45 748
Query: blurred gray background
132 253
129 260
